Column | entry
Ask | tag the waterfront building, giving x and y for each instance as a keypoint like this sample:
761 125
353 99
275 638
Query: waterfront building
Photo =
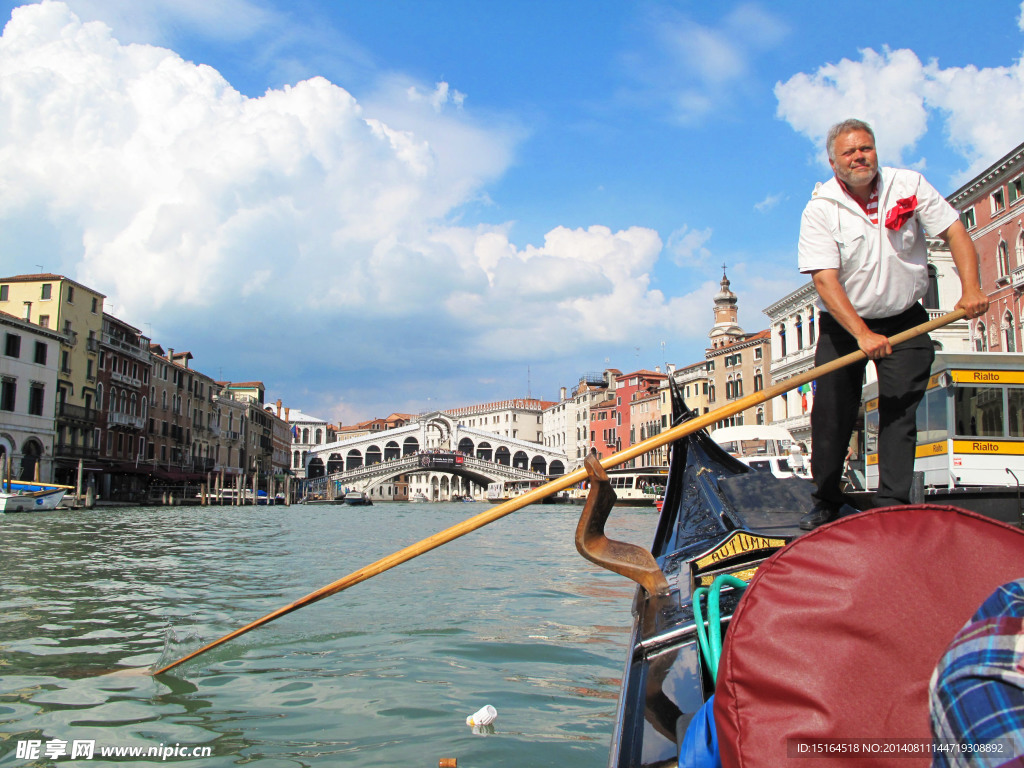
793 320
28 396
593 388
737 362
122 398
649 414
170 435
693 382
629 388
75 311
522 418
604 432
258 454
231 433
307 432
555 421
991 206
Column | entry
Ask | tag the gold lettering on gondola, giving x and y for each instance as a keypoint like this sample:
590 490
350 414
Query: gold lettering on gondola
738 544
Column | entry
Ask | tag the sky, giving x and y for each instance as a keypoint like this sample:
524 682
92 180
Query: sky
409 205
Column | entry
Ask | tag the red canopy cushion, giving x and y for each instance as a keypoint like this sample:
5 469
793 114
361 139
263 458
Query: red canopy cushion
839 632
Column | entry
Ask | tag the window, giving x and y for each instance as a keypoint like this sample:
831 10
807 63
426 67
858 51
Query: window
5 291
45 293
95 305
36 396
8 388
1016 191
1003 259
931 298
44 321
1009 336
13 346
40 357
799 332
967 217
782 340
71 294
758 353
981 340
998 200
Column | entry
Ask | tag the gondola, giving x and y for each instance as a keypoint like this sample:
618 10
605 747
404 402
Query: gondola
780 679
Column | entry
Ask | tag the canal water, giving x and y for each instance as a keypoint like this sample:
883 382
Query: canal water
383 674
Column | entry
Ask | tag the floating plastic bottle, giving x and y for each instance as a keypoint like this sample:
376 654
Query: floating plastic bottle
483 716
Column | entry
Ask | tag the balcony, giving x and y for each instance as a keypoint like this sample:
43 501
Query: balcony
1017 277
128 381
92 345
135 350
125 420
64 451
76 412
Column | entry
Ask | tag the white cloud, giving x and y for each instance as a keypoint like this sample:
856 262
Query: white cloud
687 245
304 214
699 69
768 203
898 94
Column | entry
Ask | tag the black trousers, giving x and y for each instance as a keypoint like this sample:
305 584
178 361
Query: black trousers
902 381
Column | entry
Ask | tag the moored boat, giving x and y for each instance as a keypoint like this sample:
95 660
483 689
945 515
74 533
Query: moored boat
27 500
357 499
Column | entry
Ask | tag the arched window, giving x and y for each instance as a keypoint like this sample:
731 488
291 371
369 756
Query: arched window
782 340
305 434
1003 258
799 332
1020 249
810 327
981 339
760 415
1009 335
758 383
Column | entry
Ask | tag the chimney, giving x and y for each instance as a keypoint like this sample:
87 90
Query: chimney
671 367
279 408
170 354
657 369
28 310
561 393
287 415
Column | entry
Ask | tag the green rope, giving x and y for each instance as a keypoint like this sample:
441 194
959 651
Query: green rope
710 640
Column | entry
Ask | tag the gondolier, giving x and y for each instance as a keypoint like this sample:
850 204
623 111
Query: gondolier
862 240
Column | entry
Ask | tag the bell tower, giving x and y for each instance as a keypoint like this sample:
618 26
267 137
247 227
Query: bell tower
726 330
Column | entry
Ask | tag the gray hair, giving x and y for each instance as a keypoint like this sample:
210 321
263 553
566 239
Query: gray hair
837 130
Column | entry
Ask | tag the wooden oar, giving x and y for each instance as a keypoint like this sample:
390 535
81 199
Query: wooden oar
566 481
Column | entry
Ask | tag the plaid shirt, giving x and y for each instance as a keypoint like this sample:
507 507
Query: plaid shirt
977 689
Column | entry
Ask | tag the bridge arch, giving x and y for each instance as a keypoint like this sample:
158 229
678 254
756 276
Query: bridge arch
316 468
539 465
354 459
520 459
484 452
556 468
503 456
374 455
410 446
466 446
392 451
335 463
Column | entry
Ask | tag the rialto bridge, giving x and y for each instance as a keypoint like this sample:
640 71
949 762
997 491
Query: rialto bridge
435 442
